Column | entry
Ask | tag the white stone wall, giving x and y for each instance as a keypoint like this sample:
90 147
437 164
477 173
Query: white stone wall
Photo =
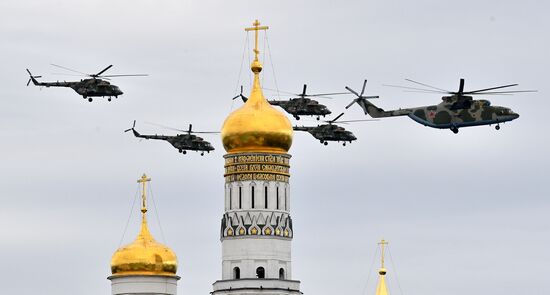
141 284
250 252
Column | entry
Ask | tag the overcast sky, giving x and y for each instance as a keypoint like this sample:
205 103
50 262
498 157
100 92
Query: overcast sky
464 214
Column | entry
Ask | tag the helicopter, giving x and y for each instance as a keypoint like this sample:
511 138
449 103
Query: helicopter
457 110
96 86
182 142
330 132
301 105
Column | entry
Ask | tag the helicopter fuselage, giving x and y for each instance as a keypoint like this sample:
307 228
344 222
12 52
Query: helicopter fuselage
302 107
447 115
328 132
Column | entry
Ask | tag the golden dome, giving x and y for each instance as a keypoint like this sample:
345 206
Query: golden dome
144 256
257 126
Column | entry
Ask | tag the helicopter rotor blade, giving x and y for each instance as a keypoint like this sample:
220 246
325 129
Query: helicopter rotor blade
504 92
353 91
414 88
326 94
64 74
337 117
190 127
164 126
363 90
492 88
351 103
29 82
461 87
426 85
103 71
125 75
68 69
351 121
304 91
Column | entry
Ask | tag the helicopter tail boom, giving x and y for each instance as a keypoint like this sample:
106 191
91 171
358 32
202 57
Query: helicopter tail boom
376 112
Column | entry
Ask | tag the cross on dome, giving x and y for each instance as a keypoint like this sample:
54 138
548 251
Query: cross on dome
143 180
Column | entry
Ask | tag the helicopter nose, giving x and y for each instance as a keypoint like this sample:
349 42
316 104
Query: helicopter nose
515 116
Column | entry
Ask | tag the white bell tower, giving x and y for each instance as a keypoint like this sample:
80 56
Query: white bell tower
256 227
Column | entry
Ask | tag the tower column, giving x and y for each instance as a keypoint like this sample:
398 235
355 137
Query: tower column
256 227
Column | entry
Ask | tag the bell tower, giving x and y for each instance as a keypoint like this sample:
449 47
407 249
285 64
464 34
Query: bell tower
256 227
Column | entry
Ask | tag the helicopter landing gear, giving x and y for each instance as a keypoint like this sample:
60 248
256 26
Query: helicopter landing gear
454 130
184 152
202 154
109 99
318 118
296 117
325 143
497 127
90 99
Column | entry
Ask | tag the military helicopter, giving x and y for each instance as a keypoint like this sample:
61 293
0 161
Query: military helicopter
330 132
182 142
455 111
301 105
97 86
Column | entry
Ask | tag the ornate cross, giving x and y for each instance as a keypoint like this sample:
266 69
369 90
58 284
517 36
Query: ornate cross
256 28
382 244
143 180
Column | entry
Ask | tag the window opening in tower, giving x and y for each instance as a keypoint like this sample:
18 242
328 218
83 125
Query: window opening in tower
260 273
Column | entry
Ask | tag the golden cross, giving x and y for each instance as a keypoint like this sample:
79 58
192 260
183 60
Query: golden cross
143 180
256 28
382 244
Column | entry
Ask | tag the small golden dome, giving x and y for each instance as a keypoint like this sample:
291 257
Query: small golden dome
144 256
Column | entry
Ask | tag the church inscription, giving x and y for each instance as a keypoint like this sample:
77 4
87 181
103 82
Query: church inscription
248 167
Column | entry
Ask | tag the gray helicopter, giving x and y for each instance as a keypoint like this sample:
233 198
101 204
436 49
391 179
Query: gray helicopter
331 132
456 110
96 86
182 142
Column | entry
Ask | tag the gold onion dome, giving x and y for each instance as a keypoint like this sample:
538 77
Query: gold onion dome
257 126
144 256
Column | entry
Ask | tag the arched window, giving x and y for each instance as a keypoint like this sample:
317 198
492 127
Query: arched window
265 196
260 273
253 189
236 273
281 273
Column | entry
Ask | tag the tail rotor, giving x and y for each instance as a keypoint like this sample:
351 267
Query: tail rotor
360 96
244 98
133 126
32 78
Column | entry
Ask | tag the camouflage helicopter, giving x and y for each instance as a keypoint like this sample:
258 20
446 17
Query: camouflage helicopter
182 142
330 132
455 111
96 86
301 105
